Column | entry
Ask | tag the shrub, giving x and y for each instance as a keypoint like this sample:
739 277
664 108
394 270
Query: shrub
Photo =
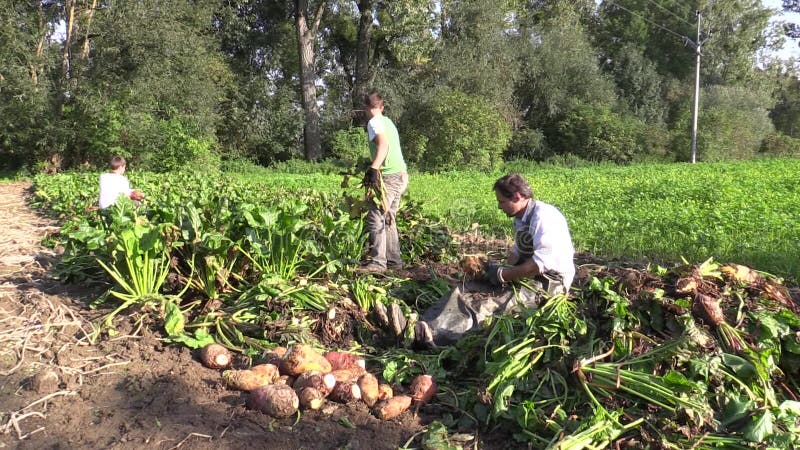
414 145
241 165
350 144
527 144
779 144
176 147
462 130
596 133
732 124
303 167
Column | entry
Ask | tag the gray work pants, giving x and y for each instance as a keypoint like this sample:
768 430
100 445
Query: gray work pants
384 243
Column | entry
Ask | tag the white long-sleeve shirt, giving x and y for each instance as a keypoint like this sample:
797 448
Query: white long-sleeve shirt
543 234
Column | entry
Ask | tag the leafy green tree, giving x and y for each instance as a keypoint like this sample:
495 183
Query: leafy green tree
263 119
639 84
560 72
786 113
155 77
457 131
307 27
732 31
25 84
478 53
737 30
657 32
734 120
597 133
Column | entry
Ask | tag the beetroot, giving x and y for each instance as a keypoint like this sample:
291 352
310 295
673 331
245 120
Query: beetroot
276 400
215 356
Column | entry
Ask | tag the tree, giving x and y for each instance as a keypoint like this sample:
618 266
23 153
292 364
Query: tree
786 113
307 26
127 99
734 30
456 131
560 72
362 76
734 122
737 30
477 54
25 84
262 114
639 84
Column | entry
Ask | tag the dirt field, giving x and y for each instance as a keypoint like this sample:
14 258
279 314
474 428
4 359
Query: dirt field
60 391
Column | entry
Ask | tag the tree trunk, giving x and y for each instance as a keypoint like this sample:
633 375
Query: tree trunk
306 37
69 9
89 16
362 77
36 67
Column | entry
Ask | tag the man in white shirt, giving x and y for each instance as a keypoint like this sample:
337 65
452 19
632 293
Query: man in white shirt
543 247
542 255
114 183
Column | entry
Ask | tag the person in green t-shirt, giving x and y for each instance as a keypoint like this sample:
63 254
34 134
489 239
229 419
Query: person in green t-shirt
387 164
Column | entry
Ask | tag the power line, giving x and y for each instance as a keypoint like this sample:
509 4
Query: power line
671 13
684 38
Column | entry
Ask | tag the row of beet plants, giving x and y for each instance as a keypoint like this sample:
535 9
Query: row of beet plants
216 260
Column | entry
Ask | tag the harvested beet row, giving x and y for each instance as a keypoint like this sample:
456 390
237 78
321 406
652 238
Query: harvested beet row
315 379
423 388
344 360
369 388
275 356
310 398
345 392
247 380
385 392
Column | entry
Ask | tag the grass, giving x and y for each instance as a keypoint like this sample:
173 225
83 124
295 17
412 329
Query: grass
8 176
743 212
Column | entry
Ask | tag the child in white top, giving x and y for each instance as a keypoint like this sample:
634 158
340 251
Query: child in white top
114 183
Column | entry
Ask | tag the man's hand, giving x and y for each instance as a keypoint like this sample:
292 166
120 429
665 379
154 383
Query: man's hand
372 178
137 195
493 274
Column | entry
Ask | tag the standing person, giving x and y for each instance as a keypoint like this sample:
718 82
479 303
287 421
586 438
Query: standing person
115 183
542 255
388 168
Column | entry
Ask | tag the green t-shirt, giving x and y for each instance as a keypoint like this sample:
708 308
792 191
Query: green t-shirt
394 162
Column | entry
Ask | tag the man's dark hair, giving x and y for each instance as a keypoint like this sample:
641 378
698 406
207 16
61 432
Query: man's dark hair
511 184
117 162
373 100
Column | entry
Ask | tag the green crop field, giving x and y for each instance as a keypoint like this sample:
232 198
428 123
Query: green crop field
744 212
252 261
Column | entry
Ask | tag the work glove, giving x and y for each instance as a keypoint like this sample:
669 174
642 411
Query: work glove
372 178
491 274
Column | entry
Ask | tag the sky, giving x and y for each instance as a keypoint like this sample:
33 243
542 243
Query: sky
790 48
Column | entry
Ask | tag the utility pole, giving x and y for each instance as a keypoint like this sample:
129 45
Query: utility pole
697 51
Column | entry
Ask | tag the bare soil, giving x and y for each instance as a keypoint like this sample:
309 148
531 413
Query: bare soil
58 390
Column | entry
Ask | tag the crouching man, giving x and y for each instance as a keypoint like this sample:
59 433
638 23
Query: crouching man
541 260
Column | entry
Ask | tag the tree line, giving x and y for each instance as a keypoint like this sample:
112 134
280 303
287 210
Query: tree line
470 83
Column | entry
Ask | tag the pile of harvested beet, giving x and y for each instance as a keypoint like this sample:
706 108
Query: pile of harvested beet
302 378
